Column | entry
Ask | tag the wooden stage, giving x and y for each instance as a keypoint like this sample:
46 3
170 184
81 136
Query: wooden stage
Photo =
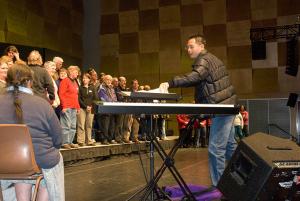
99 152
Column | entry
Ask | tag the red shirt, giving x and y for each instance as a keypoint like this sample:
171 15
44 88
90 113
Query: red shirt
182 120
245 117
68 94
209 121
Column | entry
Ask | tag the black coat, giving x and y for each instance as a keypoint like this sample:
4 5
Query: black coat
210 79
87 96
42 82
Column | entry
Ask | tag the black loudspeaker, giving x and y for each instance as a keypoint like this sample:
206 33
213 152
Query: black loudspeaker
292 61
262 168
292 100
258 50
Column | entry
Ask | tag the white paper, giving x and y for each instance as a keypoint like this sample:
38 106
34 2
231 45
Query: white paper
157 90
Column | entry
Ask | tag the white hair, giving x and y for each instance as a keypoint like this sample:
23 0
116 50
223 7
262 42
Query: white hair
56 59
49 65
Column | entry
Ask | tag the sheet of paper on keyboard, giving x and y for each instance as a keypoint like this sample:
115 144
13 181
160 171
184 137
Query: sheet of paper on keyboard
125 93
157 90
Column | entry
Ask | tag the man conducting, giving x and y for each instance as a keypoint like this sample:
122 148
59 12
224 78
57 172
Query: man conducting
212 86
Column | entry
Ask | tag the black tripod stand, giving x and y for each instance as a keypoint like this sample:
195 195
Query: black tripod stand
151 189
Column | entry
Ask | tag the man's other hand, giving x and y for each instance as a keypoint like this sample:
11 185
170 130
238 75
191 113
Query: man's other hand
163 87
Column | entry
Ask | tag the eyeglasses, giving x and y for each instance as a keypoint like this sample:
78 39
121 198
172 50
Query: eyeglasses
4 68
189 47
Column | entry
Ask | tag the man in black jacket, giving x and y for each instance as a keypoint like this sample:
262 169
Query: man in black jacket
212 86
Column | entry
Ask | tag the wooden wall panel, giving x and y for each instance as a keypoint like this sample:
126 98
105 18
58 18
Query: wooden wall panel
129 21
214 12
146 4
169 17
238 10
149 41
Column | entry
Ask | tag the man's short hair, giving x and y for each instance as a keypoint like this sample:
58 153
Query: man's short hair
122 78
132 81
198 38
63 70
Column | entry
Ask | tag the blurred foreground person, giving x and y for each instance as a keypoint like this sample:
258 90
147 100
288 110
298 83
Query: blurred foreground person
20 106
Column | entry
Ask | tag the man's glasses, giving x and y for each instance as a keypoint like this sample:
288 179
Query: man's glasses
189 47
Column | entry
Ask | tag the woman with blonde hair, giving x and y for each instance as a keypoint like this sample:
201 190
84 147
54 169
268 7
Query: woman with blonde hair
51 69
8 60
42 82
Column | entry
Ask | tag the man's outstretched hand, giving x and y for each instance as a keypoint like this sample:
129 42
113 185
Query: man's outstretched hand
163 87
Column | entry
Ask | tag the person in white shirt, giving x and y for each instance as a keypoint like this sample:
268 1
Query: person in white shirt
238 126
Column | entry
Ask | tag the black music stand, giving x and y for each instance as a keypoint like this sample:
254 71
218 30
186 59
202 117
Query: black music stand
151 189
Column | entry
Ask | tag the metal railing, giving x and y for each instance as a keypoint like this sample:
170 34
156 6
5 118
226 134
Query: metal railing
270 33
291 136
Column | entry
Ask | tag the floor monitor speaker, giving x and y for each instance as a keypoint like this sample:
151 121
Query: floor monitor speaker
262 168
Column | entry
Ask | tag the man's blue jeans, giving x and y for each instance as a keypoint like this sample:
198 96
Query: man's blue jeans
221 145
68 124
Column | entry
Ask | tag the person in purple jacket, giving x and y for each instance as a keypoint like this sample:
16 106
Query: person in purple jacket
107 93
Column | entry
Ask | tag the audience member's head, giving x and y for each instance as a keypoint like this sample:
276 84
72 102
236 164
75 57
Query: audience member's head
63 73
3 70
93 74
7 60
147 87
107 79
115 82
35 58
73 72
11 51
19 75
50 67
58 62
101 76
135 85
21 62
86 78
242 108
122 82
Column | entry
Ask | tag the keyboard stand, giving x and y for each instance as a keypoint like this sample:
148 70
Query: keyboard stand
151 189
153 193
